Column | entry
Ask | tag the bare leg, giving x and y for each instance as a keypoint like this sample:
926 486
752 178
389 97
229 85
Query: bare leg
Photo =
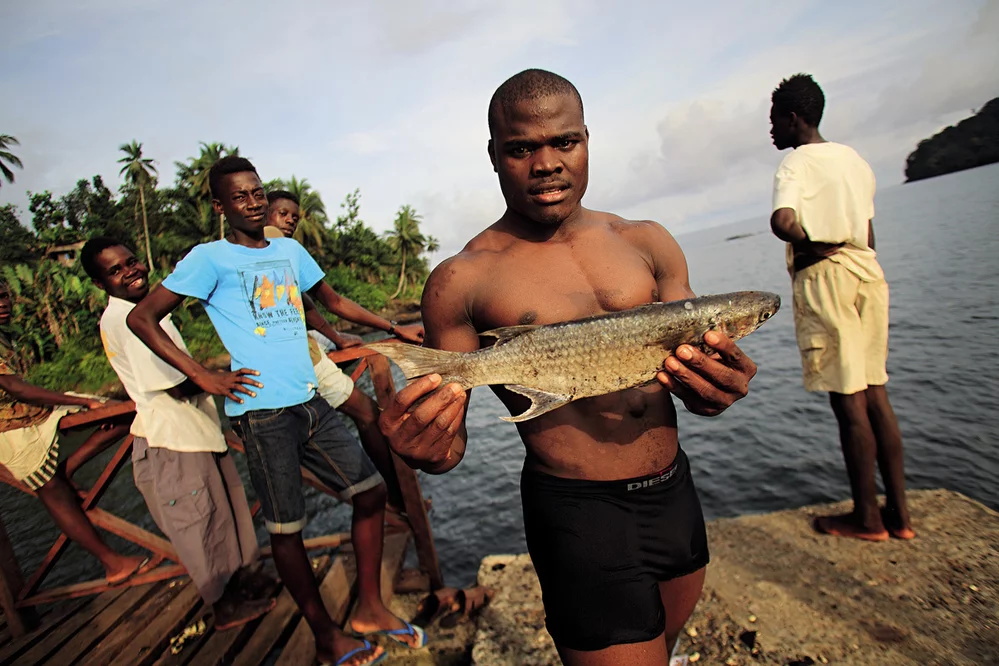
296 572
98 441
891 462
680 596
859 452
649 653
60 501
363 411
367 533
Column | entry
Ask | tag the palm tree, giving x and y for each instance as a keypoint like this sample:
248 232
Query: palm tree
6 141
406 239
138 171
312 218
194 174
433 245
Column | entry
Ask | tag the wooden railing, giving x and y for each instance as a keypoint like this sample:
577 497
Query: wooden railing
18 597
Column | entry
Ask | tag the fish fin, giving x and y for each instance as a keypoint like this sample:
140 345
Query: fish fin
541 402
508 333
417 361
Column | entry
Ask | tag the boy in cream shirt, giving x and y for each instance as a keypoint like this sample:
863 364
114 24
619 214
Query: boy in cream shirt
180 458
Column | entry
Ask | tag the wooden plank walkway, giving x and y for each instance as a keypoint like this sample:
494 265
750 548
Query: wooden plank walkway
134 626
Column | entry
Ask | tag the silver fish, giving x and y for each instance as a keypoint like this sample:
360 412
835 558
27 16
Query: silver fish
556 364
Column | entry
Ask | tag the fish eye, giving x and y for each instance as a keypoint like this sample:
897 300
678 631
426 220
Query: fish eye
765 316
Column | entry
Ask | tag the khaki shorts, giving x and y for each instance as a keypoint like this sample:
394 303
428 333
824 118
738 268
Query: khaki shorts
841 323
31 454
197 500
334 384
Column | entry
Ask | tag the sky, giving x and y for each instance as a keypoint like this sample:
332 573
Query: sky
391 97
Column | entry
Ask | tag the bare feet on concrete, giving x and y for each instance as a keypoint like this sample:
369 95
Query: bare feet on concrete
848 525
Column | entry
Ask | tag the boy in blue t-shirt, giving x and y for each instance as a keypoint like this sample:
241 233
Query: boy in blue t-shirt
252 288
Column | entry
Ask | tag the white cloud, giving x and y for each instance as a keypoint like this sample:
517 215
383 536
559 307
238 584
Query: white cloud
391 97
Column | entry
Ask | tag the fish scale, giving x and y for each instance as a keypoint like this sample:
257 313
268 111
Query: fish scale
556 364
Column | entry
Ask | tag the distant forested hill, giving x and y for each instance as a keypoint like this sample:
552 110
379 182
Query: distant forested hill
972 142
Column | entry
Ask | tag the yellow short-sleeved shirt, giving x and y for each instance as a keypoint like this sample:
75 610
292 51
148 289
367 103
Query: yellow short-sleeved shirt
831 190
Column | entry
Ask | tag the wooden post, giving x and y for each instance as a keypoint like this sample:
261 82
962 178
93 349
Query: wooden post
20 621
409 484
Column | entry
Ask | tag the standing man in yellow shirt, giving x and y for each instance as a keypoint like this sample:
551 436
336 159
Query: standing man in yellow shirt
823 207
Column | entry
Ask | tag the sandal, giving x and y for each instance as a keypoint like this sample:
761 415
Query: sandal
397 635
437 604
471 602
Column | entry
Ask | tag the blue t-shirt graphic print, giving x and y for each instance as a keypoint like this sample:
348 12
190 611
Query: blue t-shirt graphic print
275 301
254 299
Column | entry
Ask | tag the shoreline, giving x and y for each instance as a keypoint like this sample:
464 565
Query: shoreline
777 592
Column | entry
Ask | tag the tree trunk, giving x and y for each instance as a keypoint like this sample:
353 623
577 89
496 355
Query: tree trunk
50 318
402 274
145 227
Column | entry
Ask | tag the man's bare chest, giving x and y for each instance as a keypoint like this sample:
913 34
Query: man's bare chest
554 288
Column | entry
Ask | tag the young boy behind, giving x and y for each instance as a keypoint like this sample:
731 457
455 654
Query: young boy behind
333 384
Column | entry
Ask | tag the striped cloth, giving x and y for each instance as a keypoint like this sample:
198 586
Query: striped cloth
44 473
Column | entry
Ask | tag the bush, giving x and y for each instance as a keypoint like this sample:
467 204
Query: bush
368 295
79 365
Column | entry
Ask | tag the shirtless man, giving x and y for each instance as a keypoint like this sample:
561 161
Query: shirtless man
621 570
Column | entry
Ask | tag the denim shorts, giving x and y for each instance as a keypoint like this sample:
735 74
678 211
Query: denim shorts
310 435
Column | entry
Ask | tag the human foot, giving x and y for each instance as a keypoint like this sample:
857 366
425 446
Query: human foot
440 603
345 651
231 613
471 602
847 525
253 584
898 526
387 624
126 568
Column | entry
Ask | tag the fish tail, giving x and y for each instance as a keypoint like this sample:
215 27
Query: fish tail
418 361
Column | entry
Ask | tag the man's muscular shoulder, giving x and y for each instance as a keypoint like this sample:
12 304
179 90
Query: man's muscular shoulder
448 292
659 249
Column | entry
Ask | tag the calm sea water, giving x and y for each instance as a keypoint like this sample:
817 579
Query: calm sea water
778 448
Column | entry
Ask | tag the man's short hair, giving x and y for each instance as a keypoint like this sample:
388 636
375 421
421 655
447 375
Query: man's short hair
530 84
229 164
801 95
277 195
92 248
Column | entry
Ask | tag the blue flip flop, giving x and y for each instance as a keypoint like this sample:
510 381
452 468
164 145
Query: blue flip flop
397 634
367 646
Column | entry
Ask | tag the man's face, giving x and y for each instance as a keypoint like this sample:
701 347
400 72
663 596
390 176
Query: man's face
243 202
6 305
781 129
121 274
539 149
283 214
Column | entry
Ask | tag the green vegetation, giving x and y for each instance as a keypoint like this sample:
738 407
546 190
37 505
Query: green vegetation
57 308
971 143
